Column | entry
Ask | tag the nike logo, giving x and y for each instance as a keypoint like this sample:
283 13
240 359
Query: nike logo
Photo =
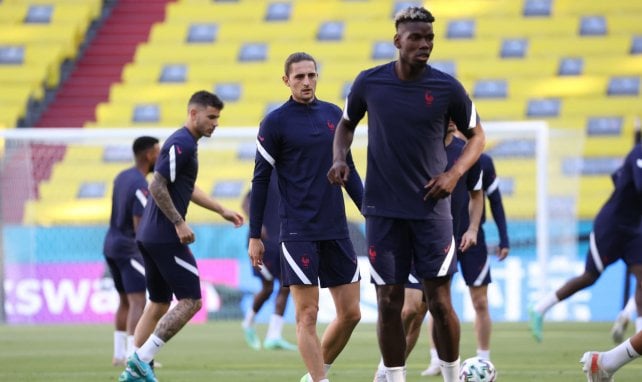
158 345
628 352
639 163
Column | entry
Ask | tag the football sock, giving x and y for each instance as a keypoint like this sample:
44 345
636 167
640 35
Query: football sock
483 354
631 309
148 351
450 371
249 318
396 374
381 367
130 345
638 324
326 368
120 344
434 356
618 356
275 328
546 303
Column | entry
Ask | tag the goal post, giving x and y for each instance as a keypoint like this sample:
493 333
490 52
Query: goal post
56 200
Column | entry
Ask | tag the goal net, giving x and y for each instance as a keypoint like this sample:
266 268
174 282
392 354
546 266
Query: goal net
56 200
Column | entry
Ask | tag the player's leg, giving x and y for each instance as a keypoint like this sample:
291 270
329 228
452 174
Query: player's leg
300 271
412 315
434 367
120 318
132 271
249 331
601 366
483 324
633 258
306 304
274 337
623 317
389 251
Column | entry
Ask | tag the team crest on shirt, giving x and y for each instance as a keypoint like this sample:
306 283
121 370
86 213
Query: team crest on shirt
305 261
372 253
428 97
331 126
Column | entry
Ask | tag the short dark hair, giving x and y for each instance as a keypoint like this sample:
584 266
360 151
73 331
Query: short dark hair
141 144
205 98
413 14
297 57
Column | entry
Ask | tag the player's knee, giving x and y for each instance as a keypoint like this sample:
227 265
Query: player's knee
307 315
480 304
440 307
351 317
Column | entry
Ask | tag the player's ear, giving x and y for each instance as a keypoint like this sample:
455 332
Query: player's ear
395 40
286 81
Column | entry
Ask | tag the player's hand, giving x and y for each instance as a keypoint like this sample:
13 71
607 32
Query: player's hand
339 172
185 233
468 239
502 253
232 216
256 250
441 186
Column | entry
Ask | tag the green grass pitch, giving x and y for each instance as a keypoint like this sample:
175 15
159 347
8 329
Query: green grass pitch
216 352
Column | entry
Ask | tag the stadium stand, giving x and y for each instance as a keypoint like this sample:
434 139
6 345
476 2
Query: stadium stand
564 61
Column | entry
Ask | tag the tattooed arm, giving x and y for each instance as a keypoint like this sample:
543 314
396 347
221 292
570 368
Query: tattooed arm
160 193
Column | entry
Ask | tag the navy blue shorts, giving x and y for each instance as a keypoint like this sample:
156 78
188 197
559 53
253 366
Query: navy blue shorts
328 263
271 268
128 273
475 263
607 247
414 281
393 244
170 268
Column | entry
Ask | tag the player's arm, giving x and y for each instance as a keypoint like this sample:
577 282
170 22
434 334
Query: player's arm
354 185
442 185
202 199
160 193
343 137
499 216
475 208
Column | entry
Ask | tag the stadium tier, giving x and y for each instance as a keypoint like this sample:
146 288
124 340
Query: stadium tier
36 38
576 65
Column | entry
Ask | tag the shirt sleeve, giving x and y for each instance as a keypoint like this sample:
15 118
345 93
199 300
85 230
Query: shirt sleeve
140 199
636 166
462 109
356 107
491 187
354 186
173 157
264 162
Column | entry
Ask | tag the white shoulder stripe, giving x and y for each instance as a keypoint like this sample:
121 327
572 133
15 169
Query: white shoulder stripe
473 116
264 153
493 186
141 197
478 185
172 164
345 111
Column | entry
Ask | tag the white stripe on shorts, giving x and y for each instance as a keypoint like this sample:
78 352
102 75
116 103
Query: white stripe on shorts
595 254
186 265
265 273
304 279
355 278
448 260
412 279
137 266
376 277
482 275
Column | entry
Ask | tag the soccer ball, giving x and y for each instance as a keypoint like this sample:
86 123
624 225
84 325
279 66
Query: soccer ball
477 370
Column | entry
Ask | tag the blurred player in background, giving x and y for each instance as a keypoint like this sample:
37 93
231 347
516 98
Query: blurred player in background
466 200
630 308
129 197
163 236
601 366
616 234
296 141
268 273
406 201
475 263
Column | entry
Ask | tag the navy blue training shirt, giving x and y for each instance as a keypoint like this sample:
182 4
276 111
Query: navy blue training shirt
178 164
407 123
490 184
470 181
296 140
623 209
128 199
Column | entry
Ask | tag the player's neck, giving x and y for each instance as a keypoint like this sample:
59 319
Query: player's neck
407 72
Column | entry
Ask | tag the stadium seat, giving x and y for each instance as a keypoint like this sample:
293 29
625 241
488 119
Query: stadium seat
570 66
548 107
464 28
593 26
514 48
330 31
490 89
537 8
173 73
624 86
278 11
